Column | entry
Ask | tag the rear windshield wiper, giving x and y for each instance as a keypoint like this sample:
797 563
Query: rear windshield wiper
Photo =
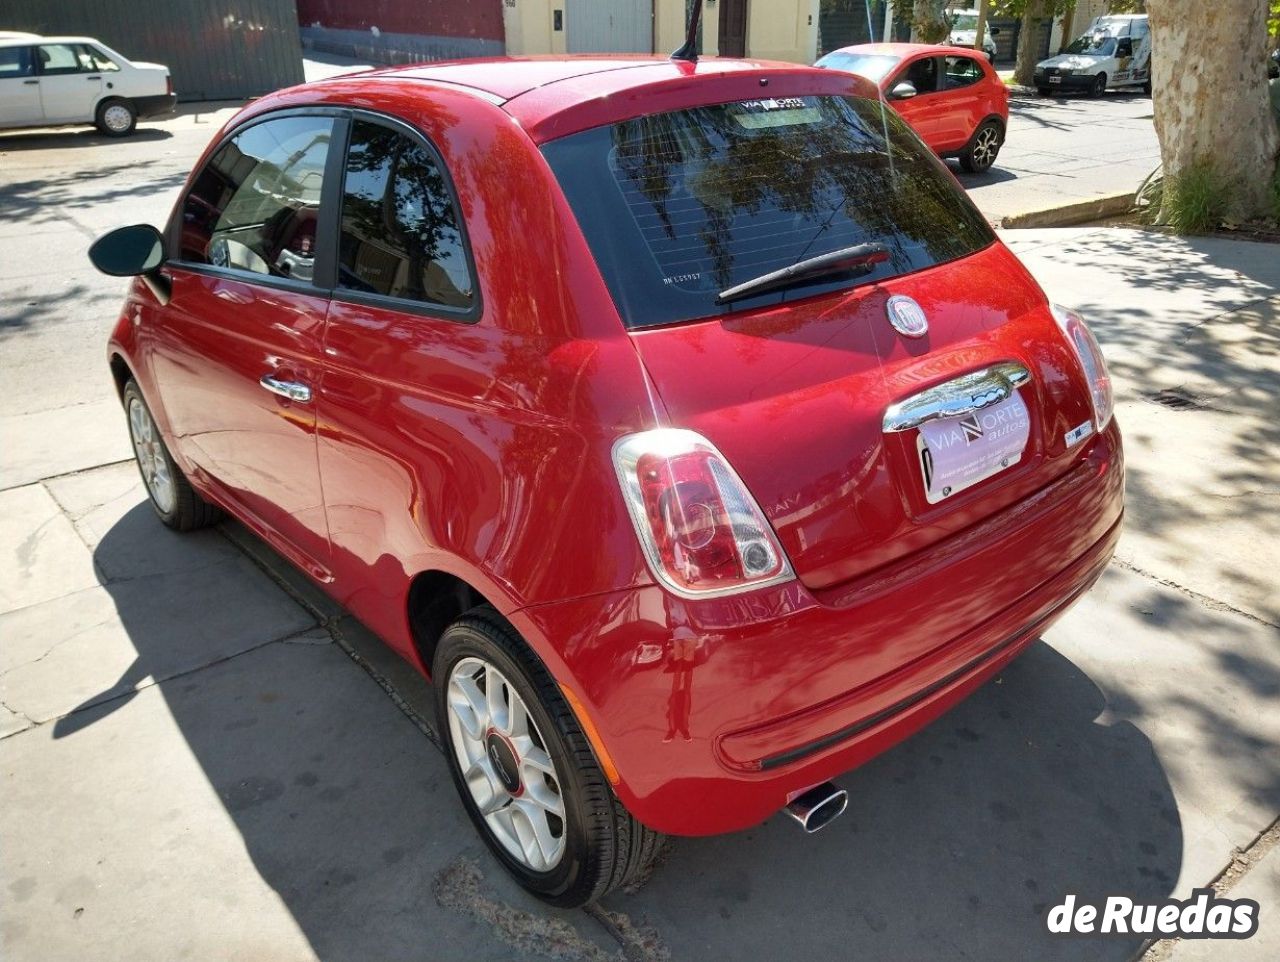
857 260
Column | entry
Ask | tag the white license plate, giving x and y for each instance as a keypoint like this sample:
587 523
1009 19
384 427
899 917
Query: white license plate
1055 80
957 453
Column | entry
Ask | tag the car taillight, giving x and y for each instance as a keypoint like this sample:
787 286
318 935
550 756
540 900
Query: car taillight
701 530
1092 363
168 83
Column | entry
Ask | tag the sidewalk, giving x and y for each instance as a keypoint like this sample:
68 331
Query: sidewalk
201 757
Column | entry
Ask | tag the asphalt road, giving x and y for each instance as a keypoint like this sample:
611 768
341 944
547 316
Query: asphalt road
1065 149
202 757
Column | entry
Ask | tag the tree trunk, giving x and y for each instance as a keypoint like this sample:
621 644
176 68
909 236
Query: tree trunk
1025 68
1210 96
981 30
930 22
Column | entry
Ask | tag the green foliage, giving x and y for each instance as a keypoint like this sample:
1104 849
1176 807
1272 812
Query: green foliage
1193 202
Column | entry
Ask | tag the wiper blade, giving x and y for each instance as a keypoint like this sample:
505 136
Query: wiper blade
860 259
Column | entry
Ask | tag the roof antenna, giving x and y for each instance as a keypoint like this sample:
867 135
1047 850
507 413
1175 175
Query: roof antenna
689 52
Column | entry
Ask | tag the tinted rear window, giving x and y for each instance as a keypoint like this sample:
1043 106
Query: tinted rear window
679 206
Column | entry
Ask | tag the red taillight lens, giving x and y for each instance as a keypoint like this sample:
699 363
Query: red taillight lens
701 531
1092 363
168 83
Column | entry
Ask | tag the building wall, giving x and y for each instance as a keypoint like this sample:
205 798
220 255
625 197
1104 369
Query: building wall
776 29
215 49
404 31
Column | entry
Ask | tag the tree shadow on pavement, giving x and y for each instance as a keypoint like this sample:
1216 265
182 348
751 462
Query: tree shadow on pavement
62 138
956 843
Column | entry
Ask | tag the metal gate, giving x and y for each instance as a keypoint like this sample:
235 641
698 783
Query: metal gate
609 26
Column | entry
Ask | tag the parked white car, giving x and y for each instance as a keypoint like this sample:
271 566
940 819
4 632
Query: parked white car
1114 52
52 81
964 32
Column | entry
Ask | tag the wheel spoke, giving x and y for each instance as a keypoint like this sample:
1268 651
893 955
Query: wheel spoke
534 758
475 717
494 692
539 793
538 842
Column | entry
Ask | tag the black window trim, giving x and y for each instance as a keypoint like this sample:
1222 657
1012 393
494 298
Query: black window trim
329 224
905 69
77 48
32 61
468 315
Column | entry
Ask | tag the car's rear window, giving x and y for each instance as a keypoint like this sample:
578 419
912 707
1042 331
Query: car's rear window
679 206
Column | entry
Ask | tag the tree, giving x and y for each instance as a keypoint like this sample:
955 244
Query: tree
930 21
1212 111
1031 12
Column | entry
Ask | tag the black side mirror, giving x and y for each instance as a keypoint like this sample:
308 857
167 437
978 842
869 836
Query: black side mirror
994 31
136 251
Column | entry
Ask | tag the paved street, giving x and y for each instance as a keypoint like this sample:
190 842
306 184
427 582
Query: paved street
1065 149
203 758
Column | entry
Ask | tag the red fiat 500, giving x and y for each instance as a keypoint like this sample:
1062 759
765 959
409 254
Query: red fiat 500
685 424
951 96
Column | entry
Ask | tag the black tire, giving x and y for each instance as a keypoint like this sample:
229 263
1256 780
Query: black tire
1044 91
188 511
980 153
605 847
1099 86
108 124
1146 88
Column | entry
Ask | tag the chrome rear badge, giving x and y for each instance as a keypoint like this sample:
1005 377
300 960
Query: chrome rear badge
906 316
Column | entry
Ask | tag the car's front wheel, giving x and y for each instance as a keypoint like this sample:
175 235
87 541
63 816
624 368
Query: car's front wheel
1099 86
176 503
116 118
981 152
525 770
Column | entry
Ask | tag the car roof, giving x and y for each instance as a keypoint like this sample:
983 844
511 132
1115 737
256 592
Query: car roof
905 49
552 96
27 39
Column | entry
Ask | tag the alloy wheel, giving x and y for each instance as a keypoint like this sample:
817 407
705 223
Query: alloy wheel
985 148
504 761
152 460
117 118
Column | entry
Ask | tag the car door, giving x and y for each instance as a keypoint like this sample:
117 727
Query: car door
404 369
70 84
19 88
962 101
925 110
236 354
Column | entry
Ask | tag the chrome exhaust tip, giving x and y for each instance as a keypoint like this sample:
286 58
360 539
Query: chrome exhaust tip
818 807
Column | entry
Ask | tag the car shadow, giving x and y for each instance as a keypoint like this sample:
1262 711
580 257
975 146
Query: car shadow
955 843
992 175
63 137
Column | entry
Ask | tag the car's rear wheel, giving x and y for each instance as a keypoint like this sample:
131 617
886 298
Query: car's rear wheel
1044 91
116 118
1146 88
174 500
525 770
1099 86
983 147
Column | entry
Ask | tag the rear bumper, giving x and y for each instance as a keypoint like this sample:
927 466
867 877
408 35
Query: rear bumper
156 106
715 713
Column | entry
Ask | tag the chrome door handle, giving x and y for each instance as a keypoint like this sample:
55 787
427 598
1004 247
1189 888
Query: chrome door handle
956 398
287 389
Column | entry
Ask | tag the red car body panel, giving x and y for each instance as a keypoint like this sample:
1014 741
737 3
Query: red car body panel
484 451
944 119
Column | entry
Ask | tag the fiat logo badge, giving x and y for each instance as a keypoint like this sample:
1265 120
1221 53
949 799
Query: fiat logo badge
906 316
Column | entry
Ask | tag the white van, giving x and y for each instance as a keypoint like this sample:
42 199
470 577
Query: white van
964 32
51 81
1114 52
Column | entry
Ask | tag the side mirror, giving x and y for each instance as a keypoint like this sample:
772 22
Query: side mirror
994 31
136 251
128 251
903 91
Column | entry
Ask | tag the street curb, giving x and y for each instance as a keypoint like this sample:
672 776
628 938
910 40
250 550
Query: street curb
1064 215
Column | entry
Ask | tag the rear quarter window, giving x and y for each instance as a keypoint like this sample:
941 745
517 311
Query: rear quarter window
679 206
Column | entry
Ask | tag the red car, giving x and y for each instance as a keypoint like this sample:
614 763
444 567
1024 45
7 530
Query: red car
685 424
950 96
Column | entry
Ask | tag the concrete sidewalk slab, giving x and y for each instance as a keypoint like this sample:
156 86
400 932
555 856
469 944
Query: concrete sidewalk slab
37 447
41 556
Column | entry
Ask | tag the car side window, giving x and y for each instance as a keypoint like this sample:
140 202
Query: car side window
98 59
255 205
923 75
16 62
401 236
961 72
61 58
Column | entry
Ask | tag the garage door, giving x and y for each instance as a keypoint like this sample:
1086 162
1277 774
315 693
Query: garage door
609 26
